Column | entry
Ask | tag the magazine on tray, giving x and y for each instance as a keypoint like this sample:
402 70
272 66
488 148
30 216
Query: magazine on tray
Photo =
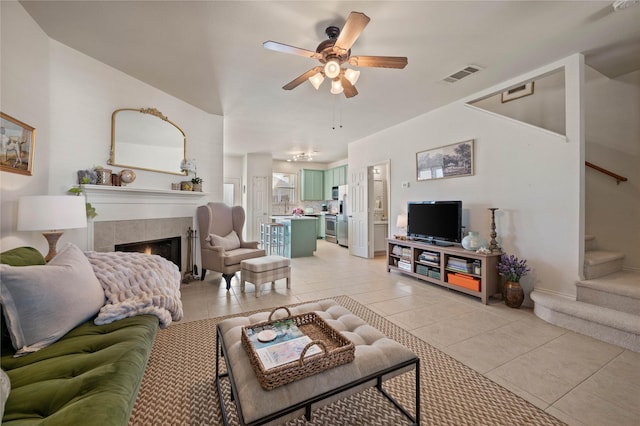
279 343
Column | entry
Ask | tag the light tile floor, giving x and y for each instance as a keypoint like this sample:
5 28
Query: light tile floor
576 378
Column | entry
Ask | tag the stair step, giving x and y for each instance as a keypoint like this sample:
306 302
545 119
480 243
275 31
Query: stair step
590 243
598 263
608 325
619 291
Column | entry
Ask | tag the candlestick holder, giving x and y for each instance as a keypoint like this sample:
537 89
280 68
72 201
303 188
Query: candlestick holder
493 244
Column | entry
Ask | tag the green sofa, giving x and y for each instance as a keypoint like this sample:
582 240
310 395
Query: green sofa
90 376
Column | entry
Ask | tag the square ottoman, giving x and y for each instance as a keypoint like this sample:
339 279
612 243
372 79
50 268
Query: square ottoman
260 270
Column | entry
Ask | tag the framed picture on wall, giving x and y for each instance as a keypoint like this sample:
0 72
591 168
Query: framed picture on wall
517 92
453 160
17 141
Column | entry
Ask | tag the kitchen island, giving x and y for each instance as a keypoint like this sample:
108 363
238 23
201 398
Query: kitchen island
300 235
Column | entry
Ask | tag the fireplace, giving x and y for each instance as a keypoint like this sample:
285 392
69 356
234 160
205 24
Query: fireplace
169 248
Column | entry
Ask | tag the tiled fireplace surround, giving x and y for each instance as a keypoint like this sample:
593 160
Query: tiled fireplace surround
109 233
128 215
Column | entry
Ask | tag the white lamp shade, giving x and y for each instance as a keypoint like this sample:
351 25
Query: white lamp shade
332 69
352 75
336 87
316 80
51 212
401 221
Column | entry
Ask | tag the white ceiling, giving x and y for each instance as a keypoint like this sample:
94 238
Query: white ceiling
210 54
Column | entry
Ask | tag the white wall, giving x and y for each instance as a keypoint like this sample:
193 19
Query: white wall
613 142
24 95
531 175
69 98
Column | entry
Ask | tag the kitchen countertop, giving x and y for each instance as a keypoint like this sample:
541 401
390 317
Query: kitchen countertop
292 217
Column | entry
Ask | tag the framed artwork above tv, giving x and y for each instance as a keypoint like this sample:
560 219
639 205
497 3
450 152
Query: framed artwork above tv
453 160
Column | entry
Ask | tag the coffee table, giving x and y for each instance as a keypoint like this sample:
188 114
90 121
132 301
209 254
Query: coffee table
377 358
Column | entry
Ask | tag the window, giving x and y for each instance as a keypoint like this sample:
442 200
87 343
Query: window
284 189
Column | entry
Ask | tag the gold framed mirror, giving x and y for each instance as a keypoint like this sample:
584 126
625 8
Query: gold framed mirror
145 139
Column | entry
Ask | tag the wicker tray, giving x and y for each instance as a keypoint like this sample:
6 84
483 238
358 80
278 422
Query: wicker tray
336 350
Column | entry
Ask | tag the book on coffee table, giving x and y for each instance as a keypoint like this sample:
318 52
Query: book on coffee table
285 352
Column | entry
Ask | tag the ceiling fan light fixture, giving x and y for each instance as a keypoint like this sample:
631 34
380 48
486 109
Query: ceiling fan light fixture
316 80
336 86
352 75
332 69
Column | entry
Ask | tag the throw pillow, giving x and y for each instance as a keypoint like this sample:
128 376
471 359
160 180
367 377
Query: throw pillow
20 256
5 388
42 303
228 242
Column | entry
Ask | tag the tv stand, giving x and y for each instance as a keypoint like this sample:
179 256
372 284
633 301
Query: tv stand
447 266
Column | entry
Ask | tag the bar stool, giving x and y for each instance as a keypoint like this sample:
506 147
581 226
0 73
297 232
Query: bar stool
273 238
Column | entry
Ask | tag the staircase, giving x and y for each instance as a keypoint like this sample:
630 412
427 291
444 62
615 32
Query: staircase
607 305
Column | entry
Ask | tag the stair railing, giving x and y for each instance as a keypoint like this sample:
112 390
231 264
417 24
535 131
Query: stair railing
616 176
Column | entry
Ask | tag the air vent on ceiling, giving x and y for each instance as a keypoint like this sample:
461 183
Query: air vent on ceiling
464 72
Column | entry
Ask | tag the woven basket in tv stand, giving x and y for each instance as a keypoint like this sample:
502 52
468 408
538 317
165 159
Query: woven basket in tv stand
436 271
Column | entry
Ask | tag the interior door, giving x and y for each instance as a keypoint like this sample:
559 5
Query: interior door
358 194
260 211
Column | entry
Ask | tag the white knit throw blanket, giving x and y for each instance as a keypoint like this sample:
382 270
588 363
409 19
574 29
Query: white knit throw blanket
137 284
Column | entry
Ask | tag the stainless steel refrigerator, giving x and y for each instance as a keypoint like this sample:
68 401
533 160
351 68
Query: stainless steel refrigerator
342 219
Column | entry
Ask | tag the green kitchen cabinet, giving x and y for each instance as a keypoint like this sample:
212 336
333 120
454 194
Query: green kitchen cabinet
340 176
334 177
328 183
311 185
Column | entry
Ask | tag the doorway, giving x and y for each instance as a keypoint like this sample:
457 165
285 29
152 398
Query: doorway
380 202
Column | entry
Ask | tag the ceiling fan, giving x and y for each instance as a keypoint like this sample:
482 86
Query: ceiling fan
334 52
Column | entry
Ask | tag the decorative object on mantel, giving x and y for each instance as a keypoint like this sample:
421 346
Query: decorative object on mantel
493 244
512 269
18 142
51 213
473 241
103 175
186 185
87 176
127 176
175 186
189 166
197 183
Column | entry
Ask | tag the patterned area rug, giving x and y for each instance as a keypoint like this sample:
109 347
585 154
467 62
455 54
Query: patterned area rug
179 388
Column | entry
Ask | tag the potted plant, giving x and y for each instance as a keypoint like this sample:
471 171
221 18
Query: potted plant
197 183
512 269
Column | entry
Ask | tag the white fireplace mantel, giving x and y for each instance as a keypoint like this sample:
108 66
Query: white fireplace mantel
117 203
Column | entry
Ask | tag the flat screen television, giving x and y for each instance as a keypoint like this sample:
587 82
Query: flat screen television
436 222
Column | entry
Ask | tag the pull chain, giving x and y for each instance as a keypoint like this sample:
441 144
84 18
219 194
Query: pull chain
333 127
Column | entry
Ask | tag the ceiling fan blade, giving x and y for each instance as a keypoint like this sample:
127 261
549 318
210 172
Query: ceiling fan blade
378 61
349 89
301 79
284 48
351 31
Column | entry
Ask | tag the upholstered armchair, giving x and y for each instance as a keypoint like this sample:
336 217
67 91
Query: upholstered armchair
221 243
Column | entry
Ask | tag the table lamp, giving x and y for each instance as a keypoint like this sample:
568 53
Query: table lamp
401 224
51 213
